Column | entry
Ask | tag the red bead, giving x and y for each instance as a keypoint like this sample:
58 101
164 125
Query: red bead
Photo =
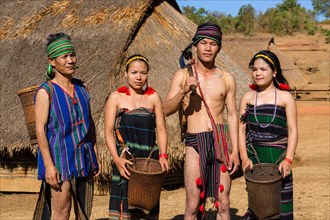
221 188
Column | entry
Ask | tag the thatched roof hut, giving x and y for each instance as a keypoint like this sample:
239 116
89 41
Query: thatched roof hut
104 33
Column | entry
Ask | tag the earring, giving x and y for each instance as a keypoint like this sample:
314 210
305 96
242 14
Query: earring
49 73
253 86
282 86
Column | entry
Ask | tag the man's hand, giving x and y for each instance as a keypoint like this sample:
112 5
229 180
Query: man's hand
53 177
233 163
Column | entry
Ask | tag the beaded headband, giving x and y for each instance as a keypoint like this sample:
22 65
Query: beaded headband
137 58
266 57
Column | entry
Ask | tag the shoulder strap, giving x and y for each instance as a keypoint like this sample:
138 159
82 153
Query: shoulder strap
51 91
226 81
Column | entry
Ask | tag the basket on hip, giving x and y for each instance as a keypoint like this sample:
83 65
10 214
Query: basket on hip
145 182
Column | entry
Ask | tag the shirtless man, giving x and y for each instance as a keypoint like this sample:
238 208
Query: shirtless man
207 170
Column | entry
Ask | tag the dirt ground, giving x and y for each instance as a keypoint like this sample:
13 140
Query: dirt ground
311 164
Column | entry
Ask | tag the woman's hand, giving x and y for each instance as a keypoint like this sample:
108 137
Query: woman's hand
121 166
164 163
285 168
246 163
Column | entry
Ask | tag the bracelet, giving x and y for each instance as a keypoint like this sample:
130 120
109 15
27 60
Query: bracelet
288 160
163 155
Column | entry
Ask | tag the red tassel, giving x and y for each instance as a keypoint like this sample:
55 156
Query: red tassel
149 91
202 195
124 89
201 209
253 86
223 168
216 205
284 86
221 188
199 181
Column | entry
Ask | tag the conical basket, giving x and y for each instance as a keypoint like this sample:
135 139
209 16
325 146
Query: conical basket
27 100
145 184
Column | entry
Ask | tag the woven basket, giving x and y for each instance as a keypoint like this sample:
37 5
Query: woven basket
145 184
27 100
263 184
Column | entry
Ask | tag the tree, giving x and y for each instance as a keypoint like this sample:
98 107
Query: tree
322 7
246 19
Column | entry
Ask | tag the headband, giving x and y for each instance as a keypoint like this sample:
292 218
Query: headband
136 58
208 31
57 48
267 58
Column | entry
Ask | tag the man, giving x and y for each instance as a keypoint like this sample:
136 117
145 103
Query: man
66 136
209 161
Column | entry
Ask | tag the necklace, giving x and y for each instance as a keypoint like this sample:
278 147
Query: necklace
255 111
139 101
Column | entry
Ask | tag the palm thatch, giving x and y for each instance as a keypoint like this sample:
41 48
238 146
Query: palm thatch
104 32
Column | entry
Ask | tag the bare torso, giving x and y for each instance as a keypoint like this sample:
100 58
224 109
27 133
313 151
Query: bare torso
213 87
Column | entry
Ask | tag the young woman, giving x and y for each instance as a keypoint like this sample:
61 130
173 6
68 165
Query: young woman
269 124
135 110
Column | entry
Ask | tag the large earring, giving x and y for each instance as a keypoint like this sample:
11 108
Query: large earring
253 86
282 86
49 73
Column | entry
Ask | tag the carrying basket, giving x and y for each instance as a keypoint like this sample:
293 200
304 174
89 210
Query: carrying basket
27 100
145 184
263 184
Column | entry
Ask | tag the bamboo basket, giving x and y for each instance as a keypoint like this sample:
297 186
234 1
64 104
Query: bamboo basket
263 184
145 184
27 100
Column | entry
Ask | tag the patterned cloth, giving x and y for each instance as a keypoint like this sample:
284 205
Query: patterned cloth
211 31
68 129
137 128
269 143
209 166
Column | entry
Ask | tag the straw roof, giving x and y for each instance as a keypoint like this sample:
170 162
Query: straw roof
104 34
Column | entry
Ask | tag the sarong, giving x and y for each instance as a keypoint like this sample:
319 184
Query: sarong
203 143
269 143
82 189
137 128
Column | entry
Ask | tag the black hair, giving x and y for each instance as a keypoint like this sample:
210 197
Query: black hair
52 37
274 66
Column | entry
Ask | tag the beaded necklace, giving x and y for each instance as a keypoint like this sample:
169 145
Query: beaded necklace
255 110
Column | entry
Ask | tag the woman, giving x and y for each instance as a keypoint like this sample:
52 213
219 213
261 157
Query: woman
269 124
66 135
135 110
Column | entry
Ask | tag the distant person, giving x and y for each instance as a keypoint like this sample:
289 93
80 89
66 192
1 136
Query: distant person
209 157
67 159
269 124
135 112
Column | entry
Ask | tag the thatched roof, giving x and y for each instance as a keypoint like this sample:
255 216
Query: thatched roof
104 33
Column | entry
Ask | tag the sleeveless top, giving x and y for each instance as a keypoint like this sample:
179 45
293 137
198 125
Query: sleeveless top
67 131
275 132
138 130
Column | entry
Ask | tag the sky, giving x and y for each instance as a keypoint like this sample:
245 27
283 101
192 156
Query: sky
232 6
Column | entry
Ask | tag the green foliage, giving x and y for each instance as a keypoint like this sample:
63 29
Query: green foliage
286 18
322 7
246 20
